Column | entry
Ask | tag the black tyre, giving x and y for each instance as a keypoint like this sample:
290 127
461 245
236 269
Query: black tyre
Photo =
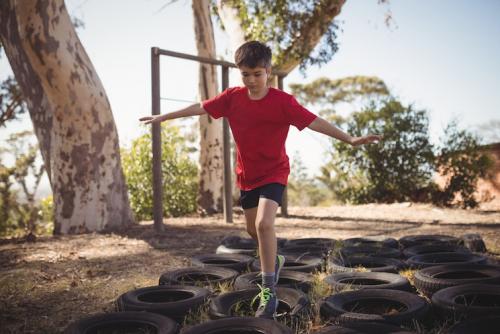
364 328
494 261
287 279
470 300
173 301
393 306
237 245
199 276
335 330
305 250
292 303
239 325
325 242
388 242
141 322
474 242
438 259
433 248
370 263
306 263
370 251
412 240
367 280
483 325
432 279
238 262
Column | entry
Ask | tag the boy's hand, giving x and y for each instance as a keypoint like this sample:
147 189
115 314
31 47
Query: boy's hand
356 141
151 119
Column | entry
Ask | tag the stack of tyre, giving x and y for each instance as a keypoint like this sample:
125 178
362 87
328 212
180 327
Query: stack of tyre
183 294
374 299
451 284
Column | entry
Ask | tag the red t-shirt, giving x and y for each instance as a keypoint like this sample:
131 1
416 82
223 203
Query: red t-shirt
259 128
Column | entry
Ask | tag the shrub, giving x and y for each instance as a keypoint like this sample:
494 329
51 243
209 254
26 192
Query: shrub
180 175
46 214
18 185
396 169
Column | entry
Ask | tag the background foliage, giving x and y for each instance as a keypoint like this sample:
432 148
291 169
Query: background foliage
180 175
20 174
403 165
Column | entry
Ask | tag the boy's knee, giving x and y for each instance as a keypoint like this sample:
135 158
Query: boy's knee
264 225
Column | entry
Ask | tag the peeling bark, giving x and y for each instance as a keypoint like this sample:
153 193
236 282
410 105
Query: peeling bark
47 56
210 194
232 23
234 27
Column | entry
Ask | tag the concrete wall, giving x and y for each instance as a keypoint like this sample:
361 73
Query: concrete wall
491 186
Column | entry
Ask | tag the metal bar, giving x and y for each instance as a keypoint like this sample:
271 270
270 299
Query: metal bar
156 139
195 58
205 60
178 100
228 194
284 200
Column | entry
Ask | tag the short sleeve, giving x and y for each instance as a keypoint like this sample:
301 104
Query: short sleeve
219 105
298 116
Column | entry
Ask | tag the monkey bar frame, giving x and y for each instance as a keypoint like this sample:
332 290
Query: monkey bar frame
156 135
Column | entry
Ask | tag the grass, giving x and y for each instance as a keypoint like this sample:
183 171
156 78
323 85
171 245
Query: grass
197 316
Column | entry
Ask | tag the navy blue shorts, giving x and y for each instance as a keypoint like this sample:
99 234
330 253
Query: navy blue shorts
250 199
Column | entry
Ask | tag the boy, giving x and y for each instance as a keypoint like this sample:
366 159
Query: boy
260 118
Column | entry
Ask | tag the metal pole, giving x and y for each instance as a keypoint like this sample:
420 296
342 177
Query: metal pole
284 201
156 138
228 194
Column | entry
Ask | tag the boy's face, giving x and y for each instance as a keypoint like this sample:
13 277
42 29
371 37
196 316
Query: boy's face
255 79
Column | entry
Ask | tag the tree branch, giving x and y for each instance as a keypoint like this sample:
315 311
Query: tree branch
310 34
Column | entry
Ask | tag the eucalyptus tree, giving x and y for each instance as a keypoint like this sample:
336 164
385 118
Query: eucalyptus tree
71 115
211 161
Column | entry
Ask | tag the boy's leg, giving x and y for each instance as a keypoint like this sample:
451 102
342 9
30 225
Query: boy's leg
266 213
250 215
249 201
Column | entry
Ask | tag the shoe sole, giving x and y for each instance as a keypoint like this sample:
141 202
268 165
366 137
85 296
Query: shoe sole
273 316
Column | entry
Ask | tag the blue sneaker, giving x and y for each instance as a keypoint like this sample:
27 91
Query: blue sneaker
268 303
280 262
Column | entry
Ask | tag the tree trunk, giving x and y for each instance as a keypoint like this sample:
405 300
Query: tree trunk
89 188
234 28
323 14
232 23
36 100
210 194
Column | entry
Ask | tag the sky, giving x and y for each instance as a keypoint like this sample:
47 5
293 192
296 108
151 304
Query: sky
439 55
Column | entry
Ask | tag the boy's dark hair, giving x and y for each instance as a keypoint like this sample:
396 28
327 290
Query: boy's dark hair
253 54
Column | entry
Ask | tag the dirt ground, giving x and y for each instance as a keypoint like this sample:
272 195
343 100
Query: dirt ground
47 284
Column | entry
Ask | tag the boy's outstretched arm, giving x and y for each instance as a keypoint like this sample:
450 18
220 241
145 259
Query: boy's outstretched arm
192 110
322 126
